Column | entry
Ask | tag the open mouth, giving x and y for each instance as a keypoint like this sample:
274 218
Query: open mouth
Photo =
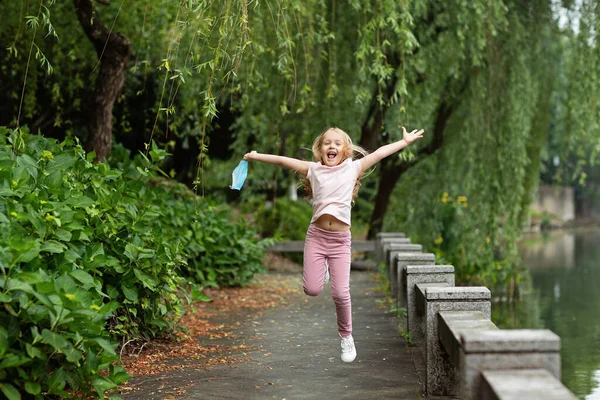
331 155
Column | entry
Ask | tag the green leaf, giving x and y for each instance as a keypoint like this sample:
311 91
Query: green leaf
197 295
118 374
57 380
3 340
30 254
131 252
54 180
10 391
33 388
106 345
146 279
33 352
83 277
96 250
131 293
109 307
33 277
81 202
102 384
63 234
30 165
15 284
73 355
52 246
54 339
61 162
12 360
45 300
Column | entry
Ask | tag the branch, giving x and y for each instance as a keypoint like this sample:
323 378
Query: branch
98 34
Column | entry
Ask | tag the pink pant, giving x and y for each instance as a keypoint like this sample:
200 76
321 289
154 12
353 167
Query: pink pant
334 247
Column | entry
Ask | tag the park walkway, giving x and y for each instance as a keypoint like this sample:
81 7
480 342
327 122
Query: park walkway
294 353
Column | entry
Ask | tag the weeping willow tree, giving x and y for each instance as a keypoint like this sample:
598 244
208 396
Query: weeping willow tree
490 81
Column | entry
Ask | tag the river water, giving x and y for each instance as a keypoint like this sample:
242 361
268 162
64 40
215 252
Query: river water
562 293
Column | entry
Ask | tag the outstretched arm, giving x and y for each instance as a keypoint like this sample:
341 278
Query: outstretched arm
294 164
389 149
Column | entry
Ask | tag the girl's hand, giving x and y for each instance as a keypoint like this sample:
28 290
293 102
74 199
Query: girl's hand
410 137
250 156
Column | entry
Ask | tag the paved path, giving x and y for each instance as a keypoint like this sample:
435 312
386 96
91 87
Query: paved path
296 355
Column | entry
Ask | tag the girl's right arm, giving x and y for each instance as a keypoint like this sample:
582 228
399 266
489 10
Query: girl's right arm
294 164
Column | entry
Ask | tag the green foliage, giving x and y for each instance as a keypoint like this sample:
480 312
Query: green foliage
89 254
221 253
475 74
285 219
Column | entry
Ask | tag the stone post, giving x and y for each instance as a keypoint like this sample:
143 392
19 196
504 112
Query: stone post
387 245
398 273
442 377
390 253
502 350
384 235
415 274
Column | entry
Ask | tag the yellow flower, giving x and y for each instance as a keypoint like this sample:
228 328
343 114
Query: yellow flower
49 217
70 296
461 199
94 307
444 198
487 239
438 240
48 155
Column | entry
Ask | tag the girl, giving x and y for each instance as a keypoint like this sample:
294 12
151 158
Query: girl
333 183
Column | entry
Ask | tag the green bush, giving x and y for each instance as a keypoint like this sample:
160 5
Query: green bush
90 254
286 219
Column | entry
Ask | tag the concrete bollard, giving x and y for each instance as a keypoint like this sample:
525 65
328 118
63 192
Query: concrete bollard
398 274
442 275
442 377
378 242
388 245
503 350
391 251
517 384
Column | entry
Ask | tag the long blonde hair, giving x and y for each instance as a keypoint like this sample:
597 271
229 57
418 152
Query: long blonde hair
349 150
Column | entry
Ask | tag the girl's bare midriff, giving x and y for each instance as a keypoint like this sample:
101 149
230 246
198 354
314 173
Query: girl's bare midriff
331 223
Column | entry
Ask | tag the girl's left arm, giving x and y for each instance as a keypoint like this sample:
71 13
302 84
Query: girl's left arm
389 149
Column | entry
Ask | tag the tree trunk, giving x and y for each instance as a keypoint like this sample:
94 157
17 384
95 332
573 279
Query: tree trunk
392 168
113 51
389 176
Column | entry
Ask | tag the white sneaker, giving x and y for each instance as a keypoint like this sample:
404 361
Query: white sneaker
327 275
348 349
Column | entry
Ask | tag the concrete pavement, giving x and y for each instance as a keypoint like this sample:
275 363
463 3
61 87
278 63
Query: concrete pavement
294 353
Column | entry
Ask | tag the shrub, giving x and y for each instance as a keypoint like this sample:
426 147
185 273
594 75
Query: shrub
90 254
287 219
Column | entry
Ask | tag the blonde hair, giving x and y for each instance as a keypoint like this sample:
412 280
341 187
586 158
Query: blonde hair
349 150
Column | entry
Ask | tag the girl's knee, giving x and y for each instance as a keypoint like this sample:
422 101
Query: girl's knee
341 297
312 291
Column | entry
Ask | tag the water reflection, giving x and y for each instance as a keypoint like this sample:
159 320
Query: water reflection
563 295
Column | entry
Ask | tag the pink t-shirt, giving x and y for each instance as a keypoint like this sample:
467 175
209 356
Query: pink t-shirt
332 188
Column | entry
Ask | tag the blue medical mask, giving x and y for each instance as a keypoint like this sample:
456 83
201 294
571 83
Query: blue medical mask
239 175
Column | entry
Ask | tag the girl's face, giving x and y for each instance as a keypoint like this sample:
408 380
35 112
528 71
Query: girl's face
332 148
